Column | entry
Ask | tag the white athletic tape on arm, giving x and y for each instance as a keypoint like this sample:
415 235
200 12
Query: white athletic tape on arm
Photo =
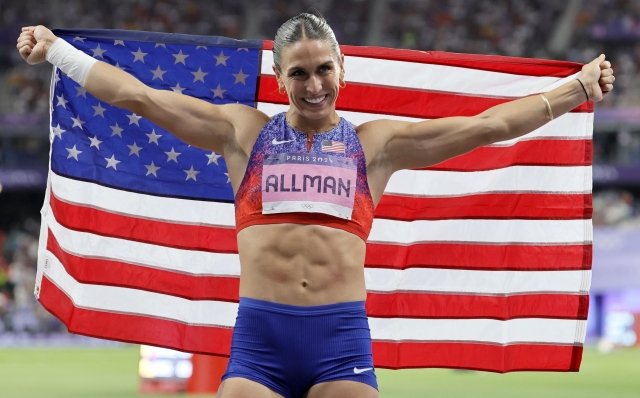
73 62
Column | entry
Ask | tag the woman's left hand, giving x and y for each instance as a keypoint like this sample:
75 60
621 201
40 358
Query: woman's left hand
597 77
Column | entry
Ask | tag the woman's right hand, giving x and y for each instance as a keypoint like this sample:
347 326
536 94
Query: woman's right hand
34 42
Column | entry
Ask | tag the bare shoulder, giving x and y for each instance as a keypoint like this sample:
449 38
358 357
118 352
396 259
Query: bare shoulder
247 122
375 134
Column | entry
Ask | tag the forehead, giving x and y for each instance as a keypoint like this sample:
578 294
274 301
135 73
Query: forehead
307 54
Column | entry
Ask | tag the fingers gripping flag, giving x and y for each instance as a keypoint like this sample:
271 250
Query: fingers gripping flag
480 262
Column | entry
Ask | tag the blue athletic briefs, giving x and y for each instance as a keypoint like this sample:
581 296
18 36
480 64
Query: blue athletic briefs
289 348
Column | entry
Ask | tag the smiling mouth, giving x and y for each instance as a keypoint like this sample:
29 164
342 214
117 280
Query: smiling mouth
315 101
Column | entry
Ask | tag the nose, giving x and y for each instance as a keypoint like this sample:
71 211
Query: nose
314 84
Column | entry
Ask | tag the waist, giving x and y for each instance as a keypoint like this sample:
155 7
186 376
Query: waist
300 310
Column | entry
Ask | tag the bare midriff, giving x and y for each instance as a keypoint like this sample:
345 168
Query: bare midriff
301 264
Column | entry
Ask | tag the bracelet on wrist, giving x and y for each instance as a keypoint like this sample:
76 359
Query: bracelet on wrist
583 89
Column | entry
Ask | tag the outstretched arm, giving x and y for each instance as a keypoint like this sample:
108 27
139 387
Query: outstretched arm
402 145
194 121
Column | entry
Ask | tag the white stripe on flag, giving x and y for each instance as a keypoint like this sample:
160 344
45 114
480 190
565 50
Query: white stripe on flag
486 231
476 282
533 330
84 244
514 179
192 212
420 76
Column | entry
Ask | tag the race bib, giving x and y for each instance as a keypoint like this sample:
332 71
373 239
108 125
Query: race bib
310 183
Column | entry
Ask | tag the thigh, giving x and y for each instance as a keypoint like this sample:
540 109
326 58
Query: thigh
237 387
342 389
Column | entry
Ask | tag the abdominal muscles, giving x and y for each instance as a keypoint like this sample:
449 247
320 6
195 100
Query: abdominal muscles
301 264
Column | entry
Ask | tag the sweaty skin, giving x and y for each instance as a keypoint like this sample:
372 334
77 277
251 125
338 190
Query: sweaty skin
311 264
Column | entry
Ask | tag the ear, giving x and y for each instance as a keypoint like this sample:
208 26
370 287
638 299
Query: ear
342 63
278 75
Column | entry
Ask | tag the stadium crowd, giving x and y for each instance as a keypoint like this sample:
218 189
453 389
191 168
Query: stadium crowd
521 28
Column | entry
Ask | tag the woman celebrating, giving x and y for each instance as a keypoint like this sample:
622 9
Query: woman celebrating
306 183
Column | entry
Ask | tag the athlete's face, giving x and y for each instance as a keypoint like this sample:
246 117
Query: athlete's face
311 74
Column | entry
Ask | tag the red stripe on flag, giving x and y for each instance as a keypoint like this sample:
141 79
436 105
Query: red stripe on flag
541 152
486 206
467 306
477 356
492 63
358 97
100 222
510 257
134 328
100 271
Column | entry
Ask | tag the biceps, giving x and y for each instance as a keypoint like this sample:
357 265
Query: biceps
430 142
194 121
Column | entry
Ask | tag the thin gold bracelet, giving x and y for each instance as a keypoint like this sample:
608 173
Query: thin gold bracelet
549 111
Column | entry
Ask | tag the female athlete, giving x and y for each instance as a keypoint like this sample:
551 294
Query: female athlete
306 183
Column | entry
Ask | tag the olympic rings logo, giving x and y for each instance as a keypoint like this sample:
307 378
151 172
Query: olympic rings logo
307 205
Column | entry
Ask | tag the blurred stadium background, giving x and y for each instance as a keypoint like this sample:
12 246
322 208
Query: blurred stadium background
576 30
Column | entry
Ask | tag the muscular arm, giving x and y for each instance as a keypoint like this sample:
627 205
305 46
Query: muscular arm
220 128
394 145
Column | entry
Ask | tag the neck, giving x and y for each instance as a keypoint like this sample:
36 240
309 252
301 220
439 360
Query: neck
299 122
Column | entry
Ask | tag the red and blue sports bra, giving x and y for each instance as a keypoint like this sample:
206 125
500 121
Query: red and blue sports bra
285 183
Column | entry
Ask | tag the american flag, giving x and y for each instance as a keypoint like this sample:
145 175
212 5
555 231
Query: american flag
332 146
480 262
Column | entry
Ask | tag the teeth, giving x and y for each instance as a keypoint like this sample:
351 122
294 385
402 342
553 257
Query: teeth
315 100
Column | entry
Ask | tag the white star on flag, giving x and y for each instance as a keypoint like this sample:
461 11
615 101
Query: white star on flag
112 162
134 119
73 152
218 92
228 179
221 59
77 122
119 67
178 89
160 45
153 137
191 173
56 78
116 130
118 42
180 58
57 131
151 169
61 101
199 75
97 52
78 38
80 91
173 155
138 55
98 110
95 142
240 77
157 74
134 149
213 158
199 47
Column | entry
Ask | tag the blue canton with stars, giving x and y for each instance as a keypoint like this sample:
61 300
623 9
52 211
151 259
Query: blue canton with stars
97 142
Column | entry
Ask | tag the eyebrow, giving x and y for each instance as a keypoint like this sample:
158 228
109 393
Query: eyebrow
294 68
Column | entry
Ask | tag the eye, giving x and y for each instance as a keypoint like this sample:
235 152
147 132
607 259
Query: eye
325 68
297 73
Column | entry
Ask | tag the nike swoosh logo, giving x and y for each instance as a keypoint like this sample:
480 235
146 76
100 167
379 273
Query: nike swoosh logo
358 371
276 142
